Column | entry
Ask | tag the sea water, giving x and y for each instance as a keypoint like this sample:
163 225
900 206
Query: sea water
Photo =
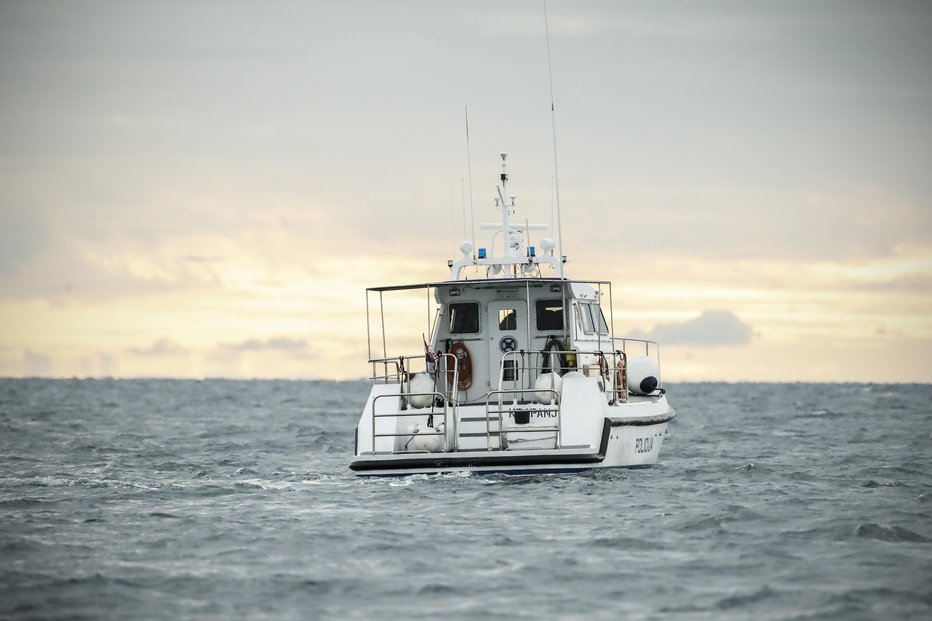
166 499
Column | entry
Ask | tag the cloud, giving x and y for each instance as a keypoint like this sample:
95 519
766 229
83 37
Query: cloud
260 358
281 345
710 329
36 364
162 347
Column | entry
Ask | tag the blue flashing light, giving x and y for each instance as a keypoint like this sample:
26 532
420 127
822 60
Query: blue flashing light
531 252
481 253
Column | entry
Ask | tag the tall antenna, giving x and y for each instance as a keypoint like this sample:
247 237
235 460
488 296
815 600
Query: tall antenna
472 213
463 203
553 124
453 221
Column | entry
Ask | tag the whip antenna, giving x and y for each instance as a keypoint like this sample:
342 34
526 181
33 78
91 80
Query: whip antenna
553 127
463 203
472 215
453 221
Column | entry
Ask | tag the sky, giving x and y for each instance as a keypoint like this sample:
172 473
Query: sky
206 189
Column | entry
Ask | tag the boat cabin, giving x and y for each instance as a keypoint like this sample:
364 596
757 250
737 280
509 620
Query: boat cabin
506 334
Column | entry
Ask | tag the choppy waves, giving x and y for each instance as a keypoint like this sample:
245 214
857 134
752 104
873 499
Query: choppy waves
211 500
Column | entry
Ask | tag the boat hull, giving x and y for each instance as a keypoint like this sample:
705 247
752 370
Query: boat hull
626 442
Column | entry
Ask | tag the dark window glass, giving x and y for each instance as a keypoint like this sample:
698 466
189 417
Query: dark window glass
549 315
464 318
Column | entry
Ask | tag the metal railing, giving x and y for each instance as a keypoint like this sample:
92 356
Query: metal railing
393 370
446 371
404 414
651 350
519 370
648 345
515 407
515 391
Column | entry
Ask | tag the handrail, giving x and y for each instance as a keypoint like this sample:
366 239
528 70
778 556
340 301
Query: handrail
407 414
647 344
647 348
447 368
502 409
526 369
401 365
517 373
406 365
452 387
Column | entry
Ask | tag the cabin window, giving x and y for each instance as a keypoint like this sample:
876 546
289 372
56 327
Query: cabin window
464 318
507 319
599 319
549 315
584 318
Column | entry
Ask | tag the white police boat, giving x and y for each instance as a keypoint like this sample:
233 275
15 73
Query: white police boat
521 371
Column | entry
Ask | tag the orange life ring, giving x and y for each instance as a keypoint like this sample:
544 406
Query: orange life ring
464 364
621 380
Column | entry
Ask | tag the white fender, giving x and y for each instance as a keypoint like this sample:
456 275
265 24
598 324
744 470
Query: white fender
544 384
420 383
643 375
429 443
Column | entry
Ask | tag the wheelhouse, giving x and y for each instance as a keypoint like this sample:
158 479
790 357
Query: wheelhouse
508 329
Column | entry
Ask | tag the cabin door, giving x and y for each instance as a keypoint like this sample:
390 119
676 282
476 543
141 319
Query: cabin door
507 333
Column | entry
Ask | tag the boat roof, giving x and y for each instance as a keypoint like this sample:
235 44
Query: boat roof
488 282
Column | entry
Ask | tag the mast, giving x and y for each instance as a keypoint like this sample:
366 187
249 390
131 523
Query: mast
517 256
506 207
